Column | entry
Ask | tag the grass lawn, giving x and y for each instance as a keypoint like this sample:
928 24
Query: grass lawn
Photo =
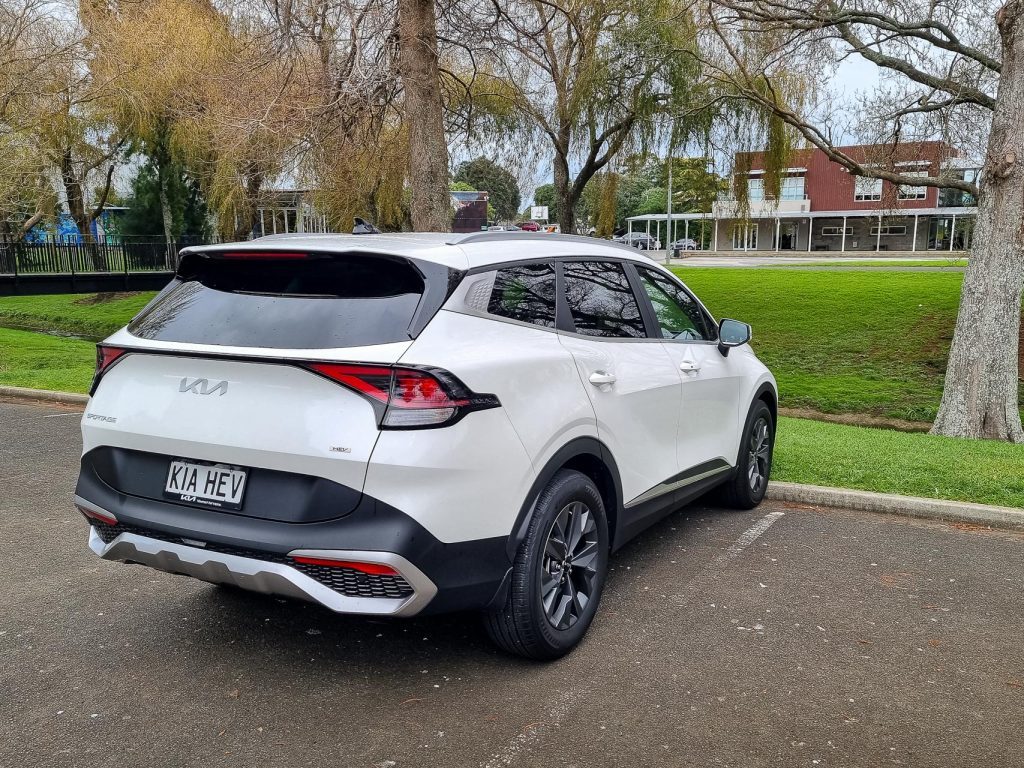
876 263
45 362
911 464
843 342
77 314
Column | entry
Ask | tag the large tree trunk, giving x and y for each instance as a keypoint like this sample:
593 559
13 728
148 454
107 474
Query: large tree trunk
980 395
76 209
564 196
428 148
165 212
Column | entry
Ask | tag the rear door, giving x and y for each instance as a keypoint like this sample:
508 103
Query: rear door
632 383
710 381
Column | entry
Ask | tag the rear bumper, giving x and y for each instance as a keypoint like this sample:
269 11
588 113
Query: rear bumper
267 577
255 554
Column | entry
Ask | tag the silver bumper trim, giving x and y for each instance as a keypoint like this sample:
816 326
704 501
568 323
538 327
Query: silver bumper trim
269 578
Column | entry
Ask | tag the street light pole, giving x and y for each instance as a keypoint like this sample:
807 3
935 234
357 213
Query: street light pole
668 209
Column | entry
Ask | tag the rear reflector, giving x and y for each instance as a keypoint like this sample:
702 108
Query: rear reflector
94 514
373 569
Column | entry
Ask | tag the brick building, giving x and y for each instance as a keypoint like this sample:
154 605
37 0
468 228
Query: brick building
821 207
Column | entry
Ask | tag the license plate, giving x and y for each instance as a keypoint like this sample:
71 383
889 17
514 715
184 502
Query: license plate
205 485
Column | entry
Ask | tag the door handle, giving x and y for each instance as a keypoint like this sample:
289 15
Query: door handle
599 378
689 366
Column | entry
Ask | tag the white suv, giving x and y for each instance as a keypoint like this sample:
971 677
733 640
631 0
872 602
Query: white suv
398 424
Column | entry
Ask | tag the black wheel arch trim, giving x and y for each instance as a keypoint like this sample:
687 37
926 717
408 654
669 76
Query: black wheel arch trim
580 446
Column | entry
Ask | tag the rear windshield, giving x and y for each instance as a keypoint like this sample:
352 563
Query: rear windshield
315 303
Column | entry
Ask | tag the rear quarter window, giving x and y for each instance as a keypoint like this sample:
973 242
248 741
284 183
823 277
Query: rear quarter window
312 303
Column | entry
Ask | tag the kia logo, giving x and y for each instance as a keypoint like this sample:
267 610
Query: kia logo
202 386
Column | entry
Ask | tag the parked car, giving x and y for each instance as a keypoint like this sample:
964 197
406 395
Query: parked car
683 244
639 240
395 425
529 226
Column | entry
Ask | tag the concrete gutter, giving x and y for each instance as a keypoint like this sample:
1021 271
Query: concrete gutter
44 396
892 504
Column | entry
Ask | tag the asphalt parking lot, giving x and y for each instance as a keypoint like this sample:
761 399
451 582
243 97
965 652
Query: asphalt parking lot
785 636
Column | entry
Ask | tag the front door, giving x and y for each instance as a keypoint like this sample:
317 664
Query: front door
709 413
632 383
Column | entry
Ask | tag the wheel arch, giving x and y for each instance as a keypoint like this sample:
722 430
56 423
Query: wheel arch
592 458
766 393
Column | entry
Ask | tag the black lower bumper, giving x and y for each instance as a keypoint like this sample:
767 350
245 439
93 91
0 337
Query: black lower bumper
467 575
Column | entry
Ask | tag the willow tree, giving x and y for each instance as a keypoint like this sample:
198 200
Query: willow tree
952 71
593 78
157 58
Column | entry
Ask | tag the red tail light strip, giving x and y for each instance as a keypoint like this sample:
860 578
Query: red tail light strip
374 569
94 514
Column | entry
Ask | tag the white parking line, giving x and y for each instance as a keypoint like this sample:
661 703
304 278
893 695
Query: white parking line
531 734
56 415
566 702
748 537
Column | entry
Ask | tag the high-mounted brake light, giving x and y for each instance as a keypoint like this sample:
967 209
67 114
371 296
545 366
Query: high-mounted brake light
412 397
106 356
374 569
257 255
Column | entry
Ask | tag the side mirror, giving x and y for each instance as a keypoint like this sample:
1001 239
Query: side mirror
732 333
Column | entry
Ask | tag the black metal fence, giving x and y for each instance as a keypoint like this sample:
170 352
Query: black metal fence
21 258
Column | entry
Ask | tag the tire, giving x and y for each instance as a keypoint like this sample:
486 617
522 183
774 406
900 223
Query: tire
547 624
746 488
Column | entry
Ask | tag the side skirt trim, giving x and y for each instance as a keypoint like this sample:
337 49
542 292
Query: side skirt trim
688 477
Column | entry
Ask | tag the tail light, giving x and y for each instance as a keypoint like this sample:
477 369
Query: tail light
106 356
409 398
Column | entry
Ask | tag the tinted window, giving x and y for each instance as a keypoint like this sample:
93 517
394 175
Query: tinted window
315 303
526 293
679 316
601 300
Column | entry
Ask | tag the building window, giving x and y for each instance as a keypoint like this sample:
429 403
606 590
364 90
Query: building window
792 188
889 230
867 189
914 193
835 231
755 189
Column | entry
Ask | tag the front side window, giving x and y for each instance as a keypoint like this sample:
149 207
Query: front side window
755 189
792 188
601 300
526 293
679 316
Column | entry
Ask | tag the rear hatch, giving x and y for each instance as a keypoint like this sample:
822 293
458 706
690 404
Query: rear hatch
212 396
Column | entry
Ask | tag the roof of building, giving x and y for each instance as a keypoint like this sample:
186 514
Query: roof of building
464 251
861 213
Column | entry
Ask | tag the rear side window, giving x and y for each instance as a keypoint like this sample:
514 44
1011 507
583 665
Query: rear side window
601 300
309 303
525 292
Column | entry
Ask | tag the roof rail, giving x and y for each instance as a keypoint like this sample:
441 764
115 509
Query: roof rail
504 235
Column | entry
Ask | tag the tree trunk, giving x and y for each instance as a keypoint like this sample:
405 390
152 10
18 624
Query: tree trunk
564 195
980 394
76 209
165 212
428 148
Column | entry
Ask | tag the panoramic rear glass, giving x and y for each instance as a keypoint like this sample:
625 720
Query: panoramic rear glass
315 303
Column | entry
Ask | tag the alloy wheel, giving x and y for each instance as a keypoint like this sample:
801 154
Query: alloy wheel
569 565
760 455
